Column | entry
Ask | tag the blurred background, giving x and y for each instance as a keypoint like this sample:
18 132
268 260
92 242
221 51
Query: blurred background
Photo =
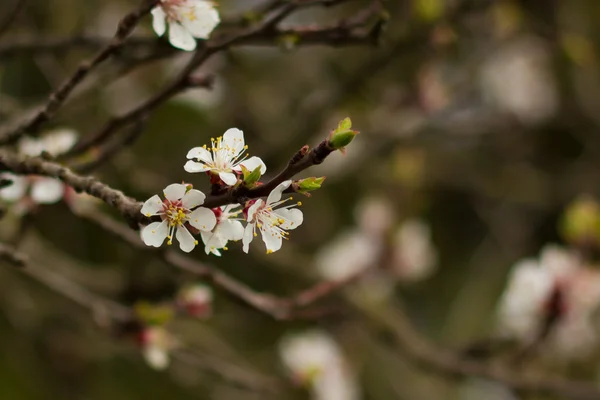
478 124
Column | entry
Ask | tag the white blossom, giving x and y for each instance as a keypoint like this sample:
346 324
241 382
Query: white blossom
187 20
156 346
224 158
227 228
533 287
414 256
175 212
315 360
273 223
196 300
348 254
39 189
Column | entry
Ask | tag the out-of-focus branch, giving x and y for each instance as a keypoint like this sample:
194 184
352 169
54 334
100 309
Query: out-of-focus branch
10 16
119 313
280 308
263 30
60 95
126 206
395 327
11 255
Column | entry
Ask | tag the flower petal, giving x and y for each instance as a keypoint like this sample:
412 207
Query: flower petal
30 146
212 242
271 238
159 21
175 191
155 233
181 38
193 198
292 217
201 20
229 178
186 241
203 219
152 206
47 190
16 190
253 208
248 237
200 153
156 357
58 141
231 230
275 194
193 167
233 139
252 163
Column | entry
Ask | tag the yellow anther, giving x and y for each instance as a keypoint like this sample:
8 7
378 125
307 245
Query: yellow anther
196 242
269 251
148 214
170 242
153 231
255 235
299 204
225 248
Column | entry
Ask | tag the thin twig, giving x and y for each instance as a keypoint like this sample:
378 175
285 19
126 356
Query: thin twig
60 95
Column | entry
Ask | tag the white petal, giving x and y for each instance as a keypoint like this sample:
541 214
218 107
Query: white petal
193 167
186 241
231 230
203 219
272 240
292 217
58 141
175 191
47 190
155 233
233 138
252 163
200 153
159 21
212 242
253 208
152 206
156 357
193 198
180 37
275 195
17 188
202 20
30 146
248 236
229 178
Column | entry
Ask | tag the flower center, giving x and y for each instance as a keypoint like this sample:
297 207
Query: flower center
175 213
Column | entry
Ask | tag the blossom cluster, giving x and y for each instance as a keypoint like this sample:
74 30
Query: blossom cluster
316 362
187 20
556 295
182 216
152 322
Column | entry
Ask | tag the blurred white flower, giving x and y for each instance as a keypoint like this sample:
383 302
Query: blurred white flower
225 157
348 254
375 216
315 360
414 255
176 211
157 343
273 223
521 306
39 189
187 19
518 79
558 283
196 300
227 228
